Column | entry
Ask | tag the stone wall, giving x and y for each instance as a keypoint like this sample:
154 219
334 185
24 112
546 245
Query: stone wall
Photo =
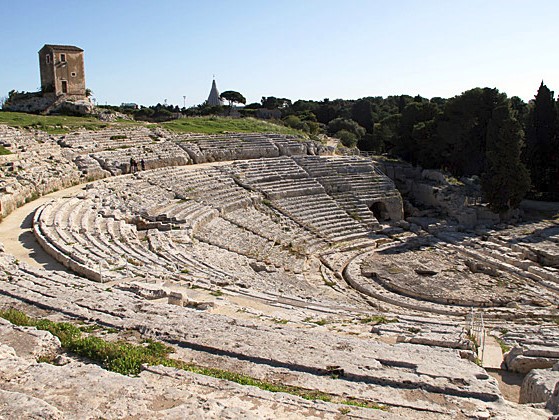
439 195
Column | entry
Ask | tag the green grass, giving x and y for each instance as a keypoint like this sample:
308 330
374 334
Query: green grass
4 151
219 125
127 358
55 124
203 125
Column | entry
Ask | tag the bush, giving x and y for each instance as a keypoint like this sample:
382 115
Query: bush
338 124
348 139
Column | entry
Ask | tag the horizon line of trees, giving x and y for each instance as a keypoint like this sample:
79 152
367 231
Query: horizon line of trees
511 145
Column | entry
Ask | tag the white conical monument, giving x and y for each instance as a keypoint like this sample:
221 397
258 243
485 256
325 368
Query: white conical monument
213 99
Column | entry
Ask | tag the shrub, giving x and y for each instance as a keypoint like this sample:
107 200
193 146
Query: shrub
348 139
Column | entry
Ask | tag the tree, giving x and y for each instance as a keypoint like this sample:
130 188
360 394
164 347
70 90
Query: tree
462 130
505 180
271 102
540 154
416 112
233 97
362 113
347 138
350 126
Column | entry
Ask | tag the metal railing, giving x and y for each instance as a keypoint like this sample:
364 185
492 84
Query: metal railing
475 329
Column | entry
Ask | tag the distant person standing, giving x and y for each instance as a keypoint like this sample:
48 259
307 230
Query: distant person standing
133 165
142 165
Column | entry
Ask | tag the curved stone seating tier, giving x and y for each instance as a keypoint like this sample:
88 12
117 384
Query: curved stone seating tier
35 167
86 141
224 234
356 183
320 214
156 155
514 264
228 148
203 148
176 247
209 186
440 333
276 227
537 242
101 248
356 209
266 170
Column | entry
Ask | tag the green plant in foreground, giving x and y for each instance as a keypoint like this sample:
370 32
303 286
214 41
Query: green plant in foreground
127 358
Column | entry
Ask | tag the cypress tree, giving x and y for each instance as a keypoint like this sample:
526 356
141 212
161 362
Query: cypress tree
505 180
541 142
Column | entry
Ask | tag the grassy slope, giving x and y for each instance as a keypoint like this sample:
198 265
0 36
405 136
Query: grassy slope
205 125
217 125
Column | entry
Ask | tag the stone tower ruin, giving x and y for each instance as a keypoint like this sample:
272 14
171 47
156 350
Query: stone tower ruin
62 71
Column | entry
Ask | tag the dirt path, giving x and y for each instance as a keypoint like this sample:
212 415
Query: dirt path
17 235
492 354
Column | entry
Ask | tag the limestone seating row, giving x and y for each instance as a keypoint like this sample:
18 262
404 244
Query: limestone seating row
275 190
246 146
321 214
218 149
356 209
56 247
417 331
513 264
224 234
103 248
536 242
209 186
95 141
338 175
534 347
156 155
153 203
271 169
177 251
85 241
186 212
282 229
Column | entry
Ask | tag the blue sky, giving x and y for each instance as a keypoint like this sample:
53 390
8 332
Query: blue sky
148 51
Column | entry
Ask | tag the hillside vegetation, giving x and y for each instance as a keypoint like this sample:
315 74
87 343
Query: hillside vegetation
216 125
205 125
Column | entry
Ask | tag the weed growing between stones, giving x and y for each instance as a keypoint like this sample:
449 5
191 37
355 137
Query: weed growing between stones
504 346
127 358
377 319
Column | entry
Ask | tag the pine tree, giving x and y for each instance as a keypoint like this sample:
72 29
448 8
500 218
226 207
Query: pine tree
505 180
